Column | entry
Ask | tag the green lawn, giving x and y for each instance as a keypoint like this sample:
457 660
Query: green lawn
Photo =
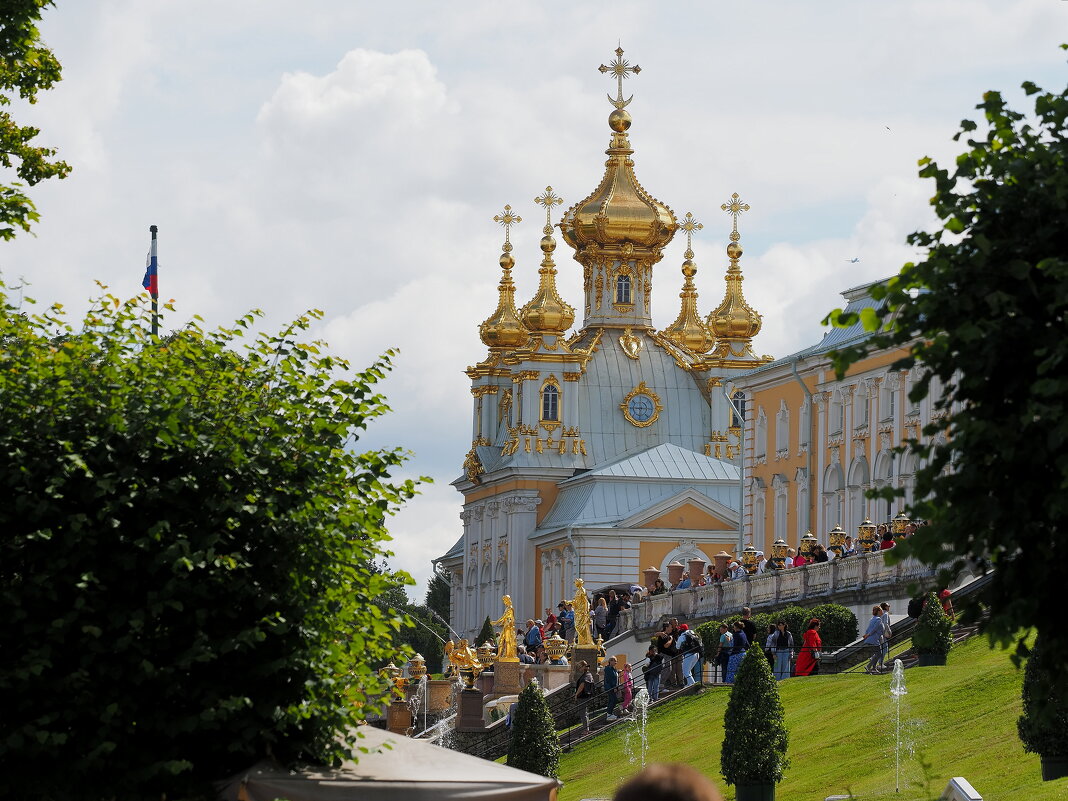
963 723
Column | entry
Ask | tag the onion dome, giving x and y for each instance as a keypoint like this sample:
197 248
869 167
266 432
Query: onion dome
734 320
503 329
689 331
547 312
619 211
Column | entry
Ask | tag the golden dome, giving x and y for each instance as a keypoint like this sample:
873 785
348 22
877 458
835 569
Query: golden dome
734 320
547 312
619 211
503 329
688 331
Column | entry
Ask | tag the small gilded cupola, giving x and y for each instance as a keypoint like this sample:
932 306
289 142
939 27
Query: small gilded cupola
547 313
619 231
689 330
735 322
503 330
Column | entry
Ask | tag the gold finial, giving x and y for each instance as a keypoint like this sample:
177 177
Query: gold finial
548 199
734 208
507 218
620 68
689 224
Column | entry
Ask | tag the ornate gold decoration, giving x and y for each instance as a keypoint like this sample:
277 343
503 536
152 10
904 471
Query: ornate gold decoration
735 322
628 413
506 645
464 661
572 376
630 343
503 329
689 331
581 602
473 465
619 212
621 69
547 312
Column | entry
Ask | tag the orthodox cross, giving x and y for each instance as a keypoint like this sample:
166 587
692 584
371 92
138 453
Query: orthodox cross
734 208
507 218
621 68
548 199
689 225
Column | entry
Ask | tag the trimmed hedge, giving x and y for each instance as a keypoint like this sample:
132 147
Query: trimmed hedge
932 635
838 626
754 731
535 745
1043 726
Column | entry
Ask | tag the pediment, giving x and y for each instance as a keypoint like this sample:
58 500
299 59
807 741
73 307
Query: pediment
689 509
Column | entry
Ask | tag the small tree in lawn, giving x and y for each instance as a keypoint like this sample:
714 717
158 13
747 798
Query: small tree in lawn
1043 726
486 634
754 733
535 746
932 635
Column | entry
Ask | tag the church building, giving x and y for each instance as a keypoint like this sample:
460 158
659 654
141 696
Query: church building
598 452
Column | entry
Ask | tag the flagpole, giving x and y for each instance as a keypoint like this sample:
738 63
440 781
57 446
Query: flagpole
155 284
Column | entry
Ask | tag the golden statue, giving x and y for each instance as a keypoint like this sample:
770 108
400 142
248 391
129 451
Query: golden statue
506 645
583 629
464 660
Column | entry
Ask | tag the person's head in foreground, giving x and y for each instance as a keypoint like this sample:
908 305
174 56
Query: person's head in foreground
660 782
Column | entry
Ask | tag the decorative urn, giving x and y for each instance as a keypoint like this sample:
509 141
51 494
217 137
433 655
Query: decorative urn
749 559
866 535
899 525
778 554
836 538
417 668
807 546
555 647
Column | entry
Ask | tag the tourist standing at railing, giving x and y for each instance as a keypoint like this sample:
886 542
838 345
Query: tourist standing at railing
614 604
654 666
689 652
532 637
626 686
740 644
675 677
888 632
600 616
749 625
611 685
684 584
584 690
850 547
658 588
820 555
762 562
808 660
873 638
887 541
800 560
566 618
790 554
550 622
783 646
712 576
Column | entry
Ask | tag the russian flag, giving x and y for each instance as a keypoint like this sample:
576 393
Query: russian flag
151 280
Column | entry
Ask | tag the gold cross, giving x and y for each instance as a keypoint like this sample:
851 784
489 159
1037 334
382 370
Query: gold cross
689 225
734 208
621 68
548 199
507 218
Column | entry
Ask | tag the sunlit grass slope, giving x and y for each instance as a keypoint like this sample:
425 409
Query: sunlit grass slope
961 720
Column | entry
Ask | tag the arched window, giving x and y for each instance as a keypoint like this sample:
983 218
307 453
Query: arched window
760 447
737 409
782 430
550 403
836 418
804 426
623 288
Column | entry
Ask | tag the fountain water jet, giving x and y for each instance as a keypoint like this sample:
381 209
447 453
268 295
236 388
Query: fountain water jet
897 691
639 720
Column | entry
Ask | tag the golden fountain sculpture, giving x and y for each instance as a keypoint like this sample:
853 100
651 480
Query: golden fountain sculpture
465 661
581 602
506 644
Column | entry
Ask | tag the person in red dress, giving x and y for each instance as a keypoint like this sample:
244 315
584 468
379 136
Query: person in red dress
810 644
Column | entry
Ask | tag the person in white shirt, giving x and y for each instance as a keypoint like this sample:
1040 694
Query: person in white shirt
762 562
887 634
790 554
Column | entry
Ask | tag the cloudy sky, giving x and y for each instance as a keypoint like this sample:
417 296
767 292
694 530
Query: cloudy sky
349 156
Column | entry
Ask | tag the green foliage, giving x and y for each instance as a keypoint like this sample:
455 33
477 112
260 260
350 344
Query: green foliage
535 746
439 594
26 67
487 633
984 314
187 575
838 626
1043 726
932 634
754 730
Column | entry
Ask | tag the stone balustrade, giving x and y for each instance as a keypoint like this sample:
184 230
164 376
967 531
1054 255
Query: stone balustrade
800 585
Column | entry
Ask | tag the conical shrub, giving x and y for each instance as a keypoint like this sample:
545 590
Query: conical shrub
754 732
535 746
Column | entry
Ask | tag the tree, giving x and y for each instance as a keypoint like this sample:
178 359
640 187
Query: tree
439 594
535 746
187 568
1043 726
933 635
754 731
983 314
26 67
487 633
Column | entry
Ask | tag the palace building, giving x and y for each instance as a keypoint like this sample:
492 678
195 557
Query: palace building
601 451
815 444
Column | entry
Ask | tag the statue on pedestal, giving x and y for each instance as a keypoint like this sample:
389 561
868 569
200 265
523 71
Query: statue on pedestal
583 628
506 648
463 658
